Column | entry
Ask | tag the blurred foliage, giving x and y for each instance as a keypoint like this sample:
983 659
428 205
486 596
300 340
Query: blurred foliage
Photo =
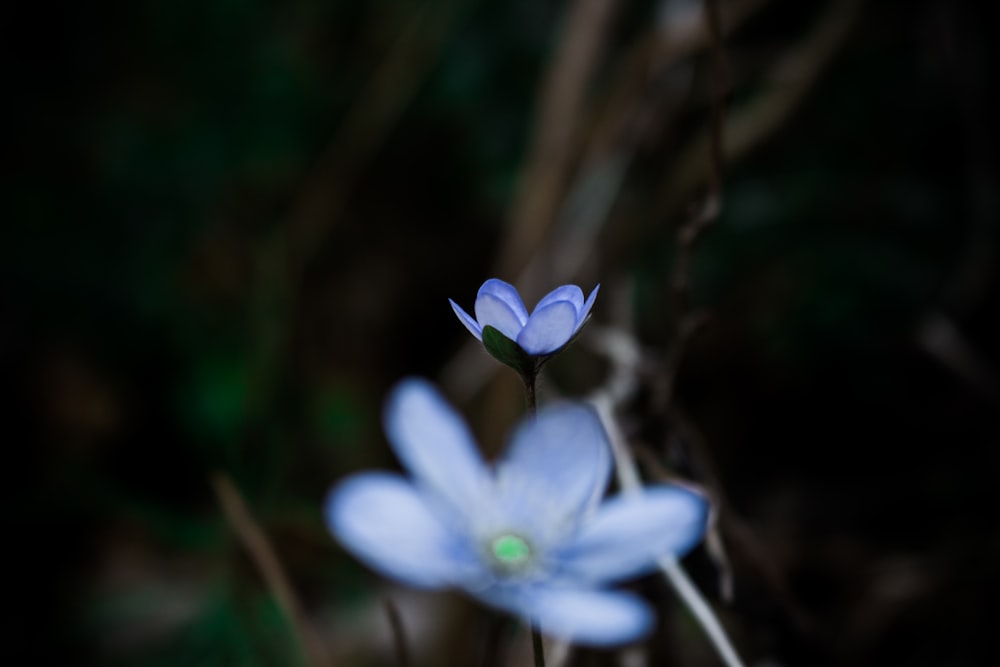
158 330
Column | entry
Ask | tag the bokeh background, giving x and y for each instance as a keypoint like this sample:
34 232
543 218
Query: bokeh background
230 226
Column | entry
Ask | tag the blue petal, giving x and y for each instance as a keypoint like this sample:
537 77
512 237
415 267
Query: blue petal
549 328
387 523
594 617
569 293
554 471
585 311
494 312
508 294
628 533
466 319
435 445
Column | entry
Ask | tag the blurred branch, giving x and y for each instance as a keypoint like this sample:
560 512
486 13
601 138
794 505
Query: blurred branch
643 103
265 558
700 609
398 632
625 357
284 255
629 363
686 323
970 282
785 87
324 194
634 109
730 524
938 336
544 178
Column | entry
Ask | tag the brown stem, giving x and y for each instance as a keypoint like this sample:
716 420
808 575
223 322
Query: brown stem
537 649
494 649
529 392
264 557
398 632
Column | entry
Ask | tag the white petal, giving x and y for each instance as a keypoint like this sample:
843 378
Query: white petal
493 312
628 533
569 293
549 328
594 617
466 319
435 445
386 523
506 293
556 466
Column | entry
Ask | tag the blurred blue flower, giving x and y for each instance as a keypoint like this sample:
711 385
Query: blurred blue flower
553 323
528 535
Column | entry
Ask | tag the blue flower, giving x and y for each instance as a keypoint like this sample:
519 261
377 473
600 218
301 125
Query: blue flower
529 535
553 323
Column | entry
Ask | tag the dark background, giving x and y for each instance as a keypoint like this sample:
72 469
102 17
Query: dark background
230 226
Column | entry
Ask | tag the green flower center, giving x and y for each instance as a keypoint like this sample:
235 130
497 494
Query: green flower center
511 549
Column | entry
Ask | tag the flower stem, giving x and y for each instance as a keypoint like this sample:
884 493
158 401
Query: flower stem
536 646
493 653
529 392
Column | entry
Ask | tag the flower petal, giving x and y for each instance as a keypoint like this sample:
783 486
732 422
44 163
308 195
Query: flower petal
585 311
594 617
628 533
387 523
555 469
495 312
549 328
470 322
569 293
508 294
435 445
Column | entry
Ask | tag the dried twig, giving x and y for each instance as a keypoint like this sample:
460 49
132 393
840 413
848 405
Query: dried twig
940 338
265 558
625 356
785 87
398 632
375 111
544 179
325 192
708 212
633 109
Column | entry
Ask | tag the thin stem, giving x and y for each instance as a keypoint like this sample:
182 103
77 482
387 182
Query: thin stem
262 553
529 392
536 646
493 653
630 482
701 610
398 632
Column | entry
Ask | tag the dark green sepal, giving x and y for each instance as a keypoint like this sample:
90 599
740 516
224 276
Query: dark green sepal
509 353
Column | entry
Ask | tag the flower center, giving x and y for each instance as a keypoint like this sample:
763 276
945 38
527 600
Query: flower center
510 550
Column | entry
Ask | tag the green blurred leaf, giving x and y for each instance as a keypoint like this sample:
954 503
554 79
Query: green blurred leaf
216 399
